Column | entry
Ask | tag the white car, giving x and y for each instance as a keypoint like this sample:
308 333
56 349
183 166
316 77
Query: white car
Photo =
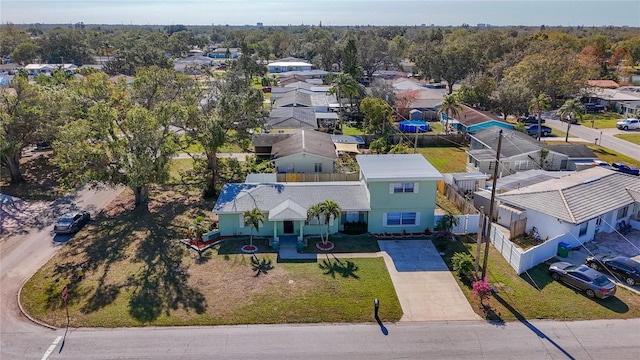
628 124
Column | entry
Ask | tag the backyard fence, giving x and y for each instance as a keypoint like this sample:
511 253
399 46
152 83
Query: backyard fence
462 203
467 224
316 177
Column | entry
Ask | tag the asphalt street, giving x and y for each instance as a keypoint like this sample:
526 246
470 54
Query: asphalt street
604 138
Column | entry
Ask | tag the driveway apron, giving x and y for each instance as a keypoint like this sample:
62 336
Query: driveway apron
425 287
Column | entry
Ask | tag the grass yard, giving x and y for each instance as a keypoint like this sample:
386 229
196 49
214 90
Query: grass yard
534 295
606 120
613 156
631 137
138 274
446 159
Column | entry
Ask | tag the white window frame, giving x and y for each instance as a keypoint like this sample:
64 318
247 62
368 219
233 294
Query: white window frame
404 216
403 188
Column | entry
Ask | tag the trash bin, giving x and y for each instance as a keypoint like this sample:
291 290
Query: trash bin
563 249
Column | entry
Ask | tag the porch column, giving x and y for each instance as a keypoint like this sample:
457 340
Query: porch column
301 237
275 232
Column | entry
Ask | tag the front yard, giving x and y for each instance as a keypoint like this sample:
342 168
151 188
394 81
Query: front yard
534 295
136 273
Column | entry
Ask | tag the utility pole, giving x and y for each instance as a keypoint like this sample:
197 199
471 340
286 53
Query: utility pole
491 206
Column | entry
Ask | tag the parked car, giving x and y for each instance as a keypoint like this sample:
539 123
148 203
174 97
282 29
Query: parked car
530 120
533 130
623 168
72 222
583 278
628 124
619 266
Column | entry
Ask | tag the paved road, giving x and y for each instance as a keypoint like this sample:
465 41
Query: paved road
605 137
611 339
22 254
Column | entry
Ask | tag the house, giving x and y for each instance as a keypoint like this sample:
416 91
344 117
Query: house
470 120
395 193
305 151
579 205
37 69
292 118
224 53
521 152
288 64
263 143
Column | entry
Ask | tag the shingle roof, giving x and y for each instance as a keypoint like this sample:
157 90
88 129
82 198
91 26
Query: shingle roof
578 197
469 116
268 139
237 198
305 141
574 151
303 114
397 167
293 98
513 142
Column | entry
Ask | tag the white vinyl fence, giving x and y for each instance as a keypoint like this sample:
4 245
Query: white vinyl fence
467 224
523 260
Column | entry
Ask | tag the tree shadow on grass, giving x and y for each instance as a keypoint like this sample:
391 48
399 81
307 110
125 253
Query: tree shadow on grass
163 286
344 268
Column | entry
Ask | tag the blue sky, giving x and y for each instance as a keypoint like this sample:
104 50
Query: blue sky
329 12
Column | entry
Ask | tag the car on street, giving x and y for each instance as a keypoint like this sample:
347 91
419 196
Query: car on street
583 278
624 168
619 266
530 120
628 124
533 130
72 222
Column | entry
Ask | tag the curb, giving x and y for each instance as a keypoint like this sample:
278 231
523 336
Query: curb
32 319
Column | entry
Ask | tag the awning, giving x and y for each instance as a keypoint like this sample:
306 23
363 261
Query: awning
348 148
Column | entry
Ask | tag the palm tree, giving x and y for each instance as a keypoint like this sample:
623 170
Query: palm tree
315 212
253 218
344 85
571 109
329 209
537 105
451 107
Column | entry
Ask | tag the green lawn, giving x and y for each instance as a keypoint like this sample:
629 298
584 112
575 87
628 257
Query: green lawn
351 130
534 295
601 121
613 156
447 159
138 274
631 137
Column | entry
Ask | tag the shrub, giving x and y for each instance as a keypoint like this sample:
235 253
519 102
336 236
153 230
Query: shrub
462 263
482 290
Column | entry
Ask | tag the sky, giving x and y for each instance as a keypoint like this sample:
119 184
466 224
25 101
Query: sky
327 12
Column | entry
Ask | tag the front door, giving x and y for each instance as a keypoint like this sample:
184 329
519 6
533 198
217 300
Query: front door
288 227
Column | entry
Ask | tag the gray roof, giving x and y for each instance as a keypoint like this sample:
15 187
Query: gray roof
326 116
397 167
473 175
239 197
527 178
573 151
305 141
268 139
578 197
513 142
281 115
293 98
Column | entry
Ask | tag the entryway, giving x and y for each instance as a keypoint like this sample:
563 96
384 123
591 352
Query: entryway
287 227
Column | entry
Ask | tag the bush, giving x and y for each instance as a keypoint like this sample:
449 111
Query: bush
355 228
482 290
462 263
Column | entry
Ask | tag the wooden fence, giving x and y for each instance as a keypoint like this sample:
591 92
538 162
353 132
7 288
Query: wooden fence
462 203
316 177
517 228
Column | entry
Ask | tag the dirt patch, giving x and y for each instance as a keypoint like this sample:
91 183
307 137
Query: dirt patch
42 179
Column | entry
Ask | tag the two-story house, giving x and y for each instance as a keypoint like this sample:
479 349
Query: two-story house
395 193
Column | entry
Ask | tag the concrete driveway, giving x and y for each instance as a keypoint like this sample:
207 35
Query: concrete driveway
426 289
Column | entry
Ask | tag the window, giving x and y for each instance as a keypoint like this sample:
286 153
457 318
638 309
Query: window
491 164
563 164
599 221
522 165
623 212
583 228
404 188
396 219
317 167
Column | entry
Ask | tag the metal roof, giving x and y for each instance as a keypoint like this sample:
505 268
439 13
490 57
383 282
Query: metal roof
304 115
513 142
397 167
240 197
578 197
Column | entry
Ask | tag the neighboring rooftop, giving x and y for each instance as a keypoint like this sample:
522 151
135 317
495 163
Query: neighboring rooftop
397 167
578 197
305 141
513 143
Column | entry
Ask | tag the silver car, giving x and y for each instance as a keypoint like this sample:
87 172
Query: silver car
583 278
72 222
